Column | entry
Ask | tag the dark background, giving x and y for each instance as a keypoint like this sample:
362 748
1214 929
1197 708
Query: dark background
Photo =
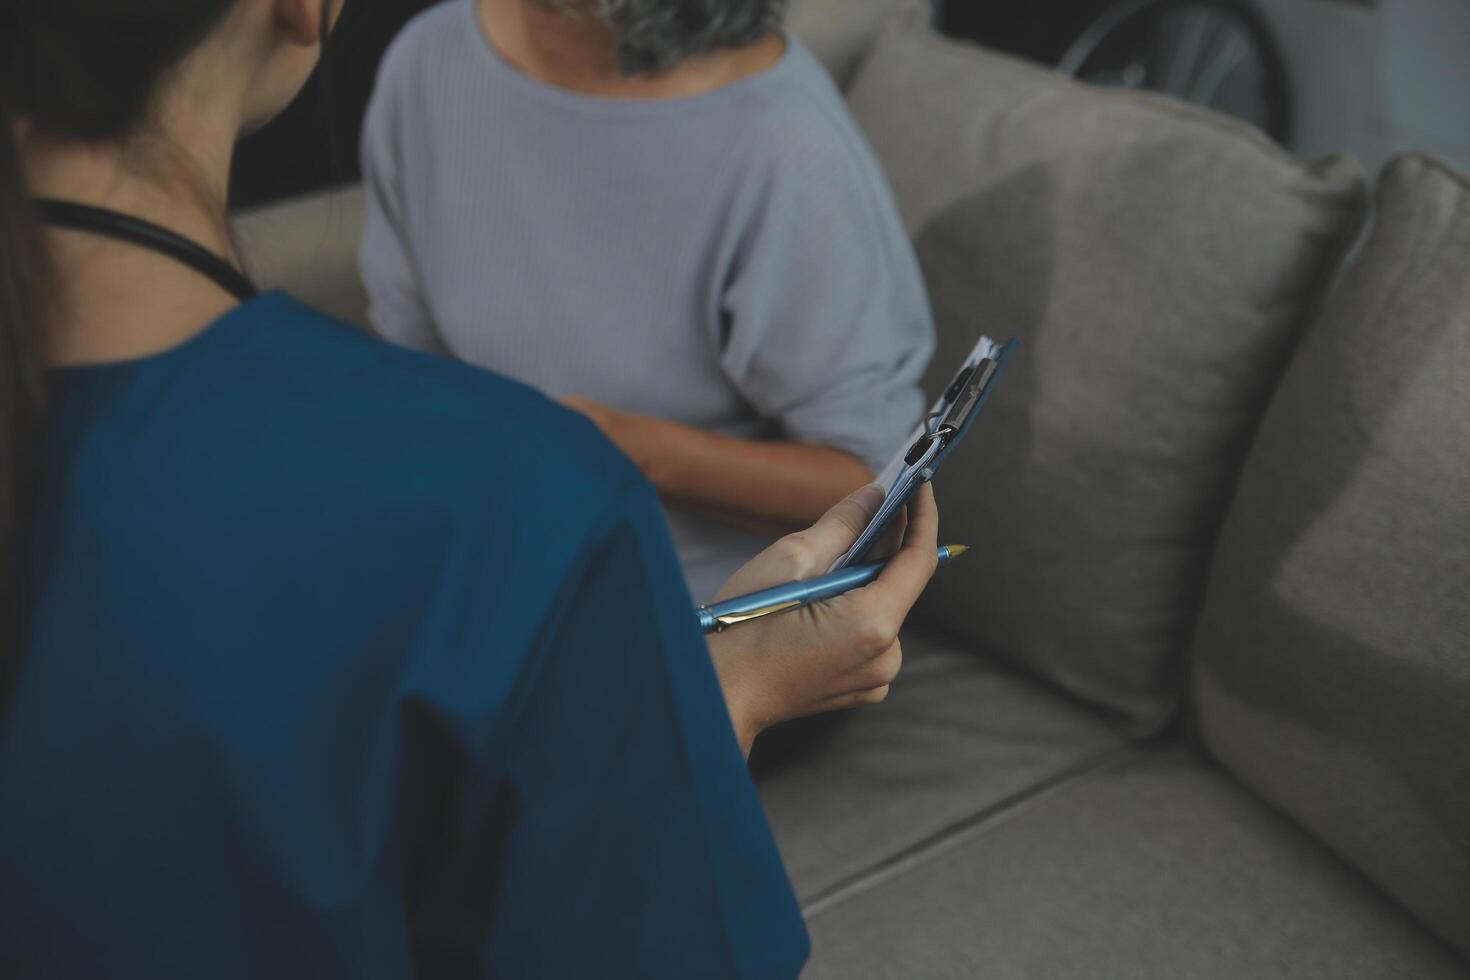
1036 29
314 143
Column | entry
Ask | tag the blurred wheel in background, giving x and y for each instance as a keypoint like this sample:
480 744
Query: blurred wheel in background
1212 53
1218 54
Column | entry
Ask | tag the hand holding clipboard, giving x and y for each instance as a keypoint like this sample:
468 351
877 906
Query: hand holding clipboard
948 421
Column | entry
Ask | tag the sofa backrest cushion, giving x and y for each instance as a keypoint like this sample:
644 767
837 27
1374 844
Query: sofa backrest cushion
1157 263
1333 657
841 32
307 246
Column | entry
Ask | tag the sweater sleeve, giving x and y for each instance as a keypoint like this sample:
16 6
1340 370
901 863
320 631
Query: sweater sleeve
827 323
607 822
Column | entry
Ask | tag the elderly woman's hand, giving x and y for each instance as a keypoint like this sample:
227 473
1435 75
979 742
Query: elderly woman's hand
839 653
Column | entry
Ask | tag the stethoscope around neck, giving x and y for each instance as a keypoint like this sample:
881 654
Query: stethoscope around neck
145 234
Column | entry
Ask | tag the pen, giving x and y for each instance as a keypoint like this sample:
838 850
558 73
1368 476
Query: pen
793 595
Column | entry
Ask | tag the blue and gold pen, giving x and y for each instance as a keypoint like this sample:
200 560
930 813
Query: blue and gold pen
794 595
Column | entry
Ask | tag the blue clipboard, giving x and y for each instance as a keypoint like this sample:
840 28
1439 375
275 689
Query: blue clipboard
945 427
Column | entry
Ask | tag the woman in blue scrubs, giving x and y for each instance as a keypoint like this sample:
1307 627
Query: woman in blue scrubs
323 658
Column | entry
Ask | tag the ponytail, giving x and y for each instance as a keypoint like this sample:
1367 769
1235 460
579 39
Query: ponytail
23 288
72 69
78 70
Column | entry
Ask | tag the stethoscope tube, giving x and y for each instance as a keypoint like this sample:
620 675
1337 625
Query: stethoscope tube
145 234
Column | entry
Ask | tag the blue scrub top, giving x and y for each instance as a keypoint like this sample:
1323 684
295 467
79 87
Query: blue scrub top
347 661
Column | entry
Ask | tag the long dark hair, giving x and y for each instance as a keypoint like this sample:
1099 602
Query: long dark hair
76 70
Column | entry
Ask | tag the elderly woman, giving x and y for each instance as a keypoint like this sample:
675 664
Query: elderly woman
660 212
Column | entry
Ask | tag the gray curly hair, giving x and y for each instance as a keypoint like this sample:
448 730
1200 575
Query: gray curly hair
654 35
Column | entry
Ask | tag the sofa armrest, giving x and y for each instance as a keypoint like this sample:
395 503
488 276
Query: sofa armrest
307 247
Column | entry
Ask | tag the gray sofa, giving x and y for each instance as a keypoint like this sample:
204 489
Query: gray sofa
1199 704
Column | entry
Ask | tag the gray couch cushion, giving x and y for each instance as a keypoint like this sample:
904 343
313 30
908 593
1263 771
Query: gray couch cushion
1157 263
840 32
308 247
957 738
1334 653
1161 869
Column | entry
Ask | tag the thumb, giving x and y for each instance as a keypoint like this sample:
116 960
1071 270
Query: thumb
837 529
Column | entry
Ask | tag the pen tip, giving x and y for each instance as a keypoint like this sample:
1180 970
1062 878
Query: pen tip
955 550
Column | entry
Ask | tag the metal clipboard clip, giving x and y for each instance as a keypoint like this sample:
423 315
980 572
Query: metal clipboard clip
963 397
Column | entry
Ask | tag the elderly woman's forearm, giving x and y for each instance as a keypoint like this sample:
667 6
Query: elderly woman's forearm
781 485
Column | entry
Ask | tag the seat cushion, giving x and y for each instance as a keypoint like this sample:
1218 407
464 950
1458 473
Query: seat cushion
1334 652
841 32
1158 869
1157 263
307 246
957 738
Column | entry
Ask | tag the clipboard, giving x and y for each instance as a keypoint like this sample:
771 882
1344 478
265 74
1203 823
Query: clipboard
941 432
